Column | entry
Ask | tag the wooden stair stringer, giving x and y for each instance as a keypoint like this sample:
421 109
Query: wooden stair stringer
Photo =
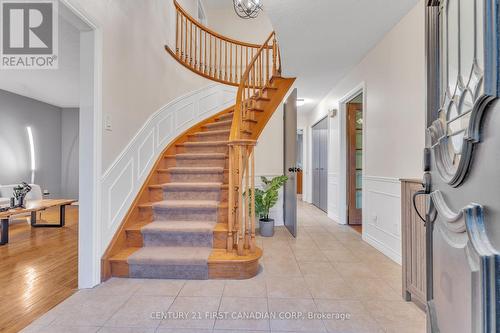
280 87
118 248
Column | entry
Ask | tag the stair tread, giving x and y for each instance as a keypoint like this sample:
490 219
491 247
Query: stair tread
199 185
200 155
179 226
190 169
170 255
222 205
204 143
186 204
221 122
213 132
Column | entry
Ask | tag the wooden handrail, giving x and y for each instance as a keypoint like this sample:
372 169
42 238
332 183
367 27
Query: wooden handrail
210 54
241 199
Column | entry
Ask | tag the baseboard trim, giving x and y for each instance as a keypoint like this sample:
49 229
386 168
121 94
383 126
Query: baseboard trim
382 248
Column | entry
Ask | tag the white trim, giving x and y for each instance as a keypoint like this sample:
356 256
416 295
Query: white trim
342 188
383 179
382 248
90 142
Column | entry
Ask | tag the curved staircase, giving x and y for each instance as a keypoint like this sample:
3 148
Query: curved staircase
191 219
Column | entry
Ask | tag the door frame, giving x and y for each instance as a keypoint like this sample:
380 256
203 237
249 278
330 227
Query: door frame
342 189
90 147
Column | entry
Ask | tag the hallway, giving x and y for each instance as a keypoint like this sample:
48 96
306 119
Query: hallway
327 270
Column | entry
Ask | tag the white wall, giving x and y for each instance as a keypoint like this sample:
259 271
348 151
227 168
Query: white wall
69 152
224 20
393 75
269 158
138 75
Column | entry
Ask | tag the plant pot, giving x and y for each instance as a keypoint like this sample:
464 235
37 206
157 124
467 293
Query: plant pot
266 227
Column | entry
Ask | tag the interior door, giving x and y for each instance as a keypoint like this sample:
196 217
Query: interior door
320 164
461 166
354 162
290 162
315 166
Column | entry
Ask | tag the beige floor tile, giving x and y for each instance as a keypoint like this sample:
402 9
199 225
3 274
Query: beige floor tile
127 330
118 286
323 287
195 313
241 312
181 330
87 308
395 313
61 329
281 268
301 308
255 287
341 255
312 254
373 289
291 287
347 317
349 270
159 287
137 311
318 268
209 288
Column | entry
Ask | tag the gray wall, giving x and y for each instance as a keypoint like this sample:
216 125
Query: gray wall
47 121
69 152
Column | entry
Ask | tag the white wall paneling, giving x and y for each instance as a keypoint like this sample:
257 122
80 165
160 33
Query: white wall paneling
123 179
382 215
275 212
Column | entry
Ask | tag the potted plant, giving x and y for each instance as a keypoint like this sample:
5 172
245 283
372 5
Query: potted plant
265 199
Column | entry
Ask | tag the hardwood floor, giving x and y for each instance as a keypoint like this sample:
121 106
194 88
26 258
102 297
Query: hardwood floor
38 269
357 228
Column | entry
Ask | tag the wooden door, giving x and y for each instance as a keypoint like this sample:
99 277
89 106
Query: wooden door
354 162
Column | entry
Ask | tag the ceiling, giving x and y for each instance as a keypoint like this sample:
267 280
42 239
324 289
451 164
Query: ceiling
57 87
322 40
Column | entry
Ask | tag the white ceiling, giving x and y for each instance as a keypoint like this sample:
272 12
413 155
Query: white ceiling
322 40
58 87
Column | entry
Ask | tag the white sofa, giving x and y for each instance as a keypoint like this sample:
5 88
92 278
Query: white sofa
6 192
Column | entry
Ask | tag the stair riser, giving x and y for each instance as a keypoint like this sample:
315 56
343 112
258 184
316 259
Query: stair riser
184 239
192 195
203 149
194 178
225 117
185 214
135 239
187 272
202 162
211 137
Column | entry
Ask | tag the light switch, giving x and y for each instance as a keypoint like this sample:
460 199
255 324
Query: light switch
108 122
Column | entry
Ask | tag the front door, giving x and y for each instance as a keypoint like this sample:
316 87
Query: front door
461 166
290 162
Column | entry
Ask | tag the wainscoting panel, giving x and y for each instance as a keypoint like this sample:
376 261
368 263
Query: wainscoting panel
382 215
333 197
123 180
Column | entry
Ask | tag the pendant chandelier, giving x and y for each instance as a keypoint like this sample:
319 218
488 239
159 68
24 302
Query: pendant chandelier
247 9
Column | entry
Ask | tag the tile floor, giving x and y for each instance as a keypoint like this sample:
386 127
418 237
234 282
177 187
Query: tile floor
327 270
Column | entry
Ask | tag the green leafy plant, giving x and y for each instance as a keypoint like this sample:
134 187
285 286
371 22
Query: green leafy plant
267 197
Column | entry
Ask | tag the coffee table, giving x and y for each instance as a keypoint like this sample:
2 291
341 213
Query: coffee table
33 207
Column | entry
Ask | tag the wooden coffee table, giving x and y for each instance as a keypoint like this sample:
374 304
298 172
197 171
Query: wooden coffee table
33 207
